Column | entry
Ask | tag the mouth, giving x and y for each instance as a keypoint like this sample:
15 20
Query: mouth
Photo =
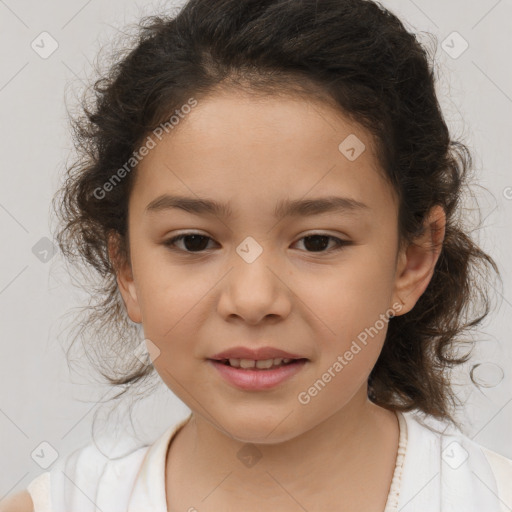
259 364
257 375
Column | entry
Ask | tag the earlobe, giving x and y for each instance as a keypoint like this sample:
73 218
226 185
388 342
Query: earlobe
125 280
416 263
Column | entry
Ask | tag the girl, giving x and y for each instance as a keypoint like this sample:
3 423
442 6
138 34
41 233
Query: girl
270 191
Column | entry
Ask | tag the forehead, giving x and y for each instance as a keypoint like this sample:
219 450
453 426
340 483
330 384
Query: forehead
241 149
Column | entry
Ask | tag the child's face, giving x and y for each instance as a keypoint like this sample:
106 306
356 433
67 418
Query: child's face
302 297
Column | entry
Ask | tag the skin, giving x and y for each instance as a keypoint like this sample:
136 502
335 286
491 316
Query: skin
252 152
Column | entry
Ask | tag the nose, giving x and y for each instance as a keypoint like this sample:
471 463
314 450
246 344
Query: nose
254 291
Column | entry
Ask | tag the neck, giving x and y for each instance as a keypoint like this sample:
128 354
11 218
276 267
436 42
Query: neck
354 446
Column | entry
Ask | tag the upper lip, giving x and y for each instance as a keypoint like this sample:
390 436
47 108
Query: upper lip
257 354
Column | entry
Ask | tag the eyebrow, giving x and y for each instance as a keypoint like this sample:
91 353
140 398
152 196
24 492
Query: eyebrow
285 208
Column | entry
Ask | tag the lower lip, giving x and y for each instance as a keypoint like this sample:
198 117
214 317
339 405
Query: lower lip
255 380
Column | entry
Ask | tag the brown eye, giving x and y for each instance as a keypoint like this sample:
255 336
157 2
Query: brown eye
319 242
197 243
192 242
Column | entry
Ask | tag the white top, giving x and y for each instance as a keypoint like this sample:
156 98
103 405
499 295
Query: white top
438 469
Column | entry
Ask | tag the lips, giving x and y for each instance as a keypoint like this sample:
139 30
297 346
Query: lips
261 353
255 379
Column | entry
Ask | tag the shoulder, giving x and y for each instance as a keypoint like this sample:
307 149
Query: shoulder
502 469
499 470
456 446
498 461
18 502
453 469
87 469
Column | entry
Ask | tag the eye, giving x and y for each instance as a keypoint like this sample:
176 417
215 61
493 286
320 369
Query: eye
319 241
196 243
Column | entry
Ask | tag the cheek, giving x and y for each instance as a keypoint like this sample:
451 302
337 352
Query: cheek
167 293
172 326
348 298
171 301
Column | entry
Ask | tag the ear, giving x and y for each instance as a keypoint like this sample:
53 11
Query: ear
124 277
416 263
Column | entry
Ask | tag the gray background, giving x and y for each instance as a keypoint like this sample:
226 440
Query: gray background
41 400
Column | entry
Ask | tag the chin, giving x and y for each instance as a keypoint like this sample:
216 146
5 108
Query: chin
261 428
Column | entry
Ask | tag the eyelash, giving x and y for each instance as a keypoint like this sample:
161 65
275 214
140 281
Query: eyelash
339 243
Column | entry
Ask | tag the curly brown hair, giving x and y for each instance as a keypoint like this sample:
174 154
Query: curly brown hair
357 56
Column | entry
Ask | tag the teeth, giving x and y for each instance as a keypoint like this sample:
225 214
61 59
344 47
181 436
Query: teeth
265 363
261 364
